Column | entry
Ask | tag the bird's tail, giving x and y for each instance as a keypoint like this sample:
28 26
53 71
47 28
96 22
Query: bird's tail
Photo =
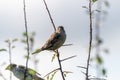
37 51
38 78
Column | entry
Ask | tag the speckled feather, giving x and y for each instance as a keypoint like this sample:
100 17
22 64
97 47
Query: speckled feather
55 41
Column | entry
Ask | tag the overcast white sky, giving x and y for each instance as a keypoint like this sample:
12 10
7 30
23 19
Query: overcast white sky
72 16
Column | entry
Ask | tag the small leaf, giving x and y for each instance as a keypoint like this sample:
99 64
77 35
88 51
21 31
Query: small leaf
24 34
103 71
7 41
106 3
52 76
53 57
106 50
31 40
48 77
36 51
2 50
23 41
66 72
33 33
82 67
85 7
97 10
92 12
99 59
100 41
26 56
13 46
36 61
94 0
14 40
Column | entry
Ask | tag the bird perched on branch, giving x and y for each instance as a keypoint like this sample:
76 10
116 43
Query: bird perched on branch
19 72
55 41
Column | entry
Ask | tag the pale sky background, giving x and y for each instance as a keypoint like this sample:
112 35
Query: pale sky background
73 17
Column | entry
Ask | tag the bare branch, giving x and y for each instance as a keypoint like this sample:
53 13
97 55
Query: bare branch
82 67
90 41
49 14
68 58
67 44
27 38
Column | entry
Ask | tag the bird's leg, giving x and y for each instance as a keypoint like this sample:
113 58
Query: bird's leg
56 53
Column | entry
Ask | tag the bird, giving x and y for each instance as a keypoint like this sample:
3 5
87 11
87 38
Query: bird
19 71
55 41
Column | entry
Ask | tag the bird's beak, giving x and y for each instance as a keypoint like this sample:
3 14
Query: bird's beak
8 67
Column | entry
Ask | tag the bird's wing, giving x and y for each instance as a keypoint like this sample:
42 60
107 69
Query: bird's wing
51 41
31 71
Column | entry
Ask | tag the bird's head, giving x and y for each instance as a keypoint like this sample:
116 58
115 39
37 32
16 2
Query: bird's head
60 29
10 67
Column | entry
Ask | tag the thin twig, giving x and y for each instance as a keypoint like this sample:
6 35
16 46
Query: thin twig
49 14
10 61
58 57
68 58
90 42
67 44
27 38
51 72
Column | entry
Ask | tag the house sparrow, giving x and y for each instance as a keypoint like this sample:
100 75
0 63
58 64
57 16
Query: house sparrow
19 72
55 41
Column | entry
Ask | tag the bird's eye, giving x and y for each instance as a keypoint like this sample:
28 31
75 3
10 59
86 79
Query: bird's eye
61 28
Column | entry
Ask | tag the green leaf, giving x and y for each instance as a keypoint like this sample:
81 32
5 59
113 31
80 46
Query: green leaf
106 50
106 3
7 41
23 41
92 12
97 10
26 56
33 33
66 73
48 77
14 40
24 34
36 51
104 71
2 50
94 0
36 61
13 46
53 57
52 76
100 41
99 59
85 7
31 39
